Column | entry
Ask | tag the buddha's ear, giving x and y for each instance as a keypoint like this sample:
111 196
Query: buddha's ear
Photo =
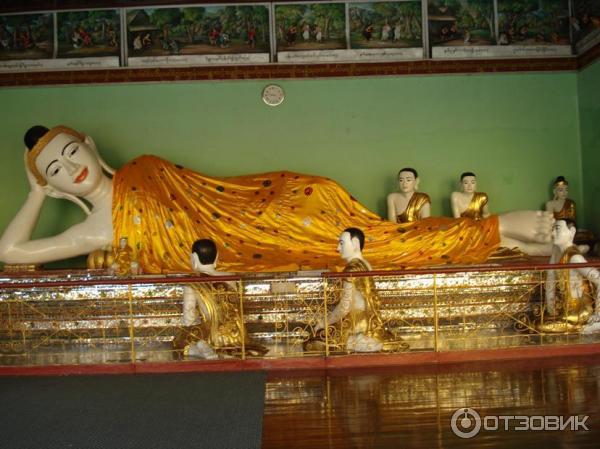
417 180
90 143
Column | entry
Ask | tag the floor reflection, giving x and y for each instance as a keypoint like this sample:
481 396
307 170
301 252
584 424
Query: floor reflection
413 407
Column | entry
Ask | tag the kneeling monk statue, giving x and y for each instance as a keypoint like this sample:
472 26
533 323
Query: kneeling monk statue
356 319
267 222
211 313
569 292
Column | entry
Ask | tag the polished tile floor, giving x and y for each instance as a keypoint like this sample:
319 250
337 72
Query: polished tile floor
413 407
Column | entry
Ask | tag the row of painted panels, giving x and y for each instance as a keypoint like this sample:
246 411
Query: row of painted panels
296 33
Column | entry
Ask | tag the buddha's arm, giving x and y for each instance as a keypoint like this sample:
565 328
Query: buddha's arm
391 208
425 211
485 211
22 225
83 238
454 204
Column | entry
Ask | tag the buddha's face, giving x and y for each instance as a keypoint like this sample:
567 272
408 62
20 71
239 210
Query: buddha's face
562 235
561 192
407 182
345 247
469 184
69 165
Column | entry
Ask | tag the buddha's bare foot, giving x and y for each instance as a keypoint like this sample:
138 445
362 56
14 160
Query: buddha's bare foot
527 226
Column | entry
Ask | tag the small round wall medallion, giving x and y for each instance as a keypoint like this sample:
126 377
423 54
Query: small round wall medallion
273 95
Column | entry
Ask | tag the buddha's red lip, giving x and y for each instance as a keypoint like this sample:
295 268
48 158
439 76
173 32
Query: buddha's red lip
82 175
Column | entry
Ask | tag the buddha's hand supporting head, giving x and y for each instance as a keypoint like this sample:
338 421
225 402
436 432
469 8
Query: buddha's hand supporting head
34 185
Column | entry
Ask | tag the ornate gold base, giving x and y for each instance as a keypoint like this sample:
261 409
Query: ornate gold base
318 344
558 327
80 317
20 267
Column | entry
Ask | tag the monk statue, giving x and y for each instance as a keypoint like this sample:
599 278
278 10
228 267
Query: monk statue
569 298
124 263
356 318
408 205
561 206
211 312
277 221
469 202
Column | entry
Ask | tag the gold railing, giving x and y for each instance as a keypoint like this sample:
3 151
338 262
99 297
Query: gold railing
82 317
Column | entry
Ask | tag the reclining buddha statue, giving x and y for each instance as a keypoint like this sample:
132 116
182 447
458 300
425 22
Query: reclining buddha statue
274 221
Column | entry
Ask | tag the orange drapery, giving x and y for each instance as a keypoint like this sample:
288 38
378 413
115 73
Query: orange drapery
275 221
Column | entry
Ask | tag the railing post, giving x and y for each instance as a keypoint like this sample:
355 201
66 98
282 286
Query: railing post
240 293
435 315
543 304
131 323
325 312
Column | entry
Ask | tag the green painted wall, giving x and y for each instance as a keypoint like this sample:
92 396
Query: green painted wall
516 131
589 116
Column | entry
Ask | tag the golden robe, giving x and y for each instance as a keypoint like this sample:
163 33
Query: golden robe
273 222
476 205
368 321
413 208
567 212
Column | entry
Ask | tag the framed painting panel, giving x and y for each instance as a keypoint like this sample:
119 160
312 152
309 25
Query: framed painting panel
386 30
461 28
310 32
199 34
533 28
89 39
26 41
585 24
